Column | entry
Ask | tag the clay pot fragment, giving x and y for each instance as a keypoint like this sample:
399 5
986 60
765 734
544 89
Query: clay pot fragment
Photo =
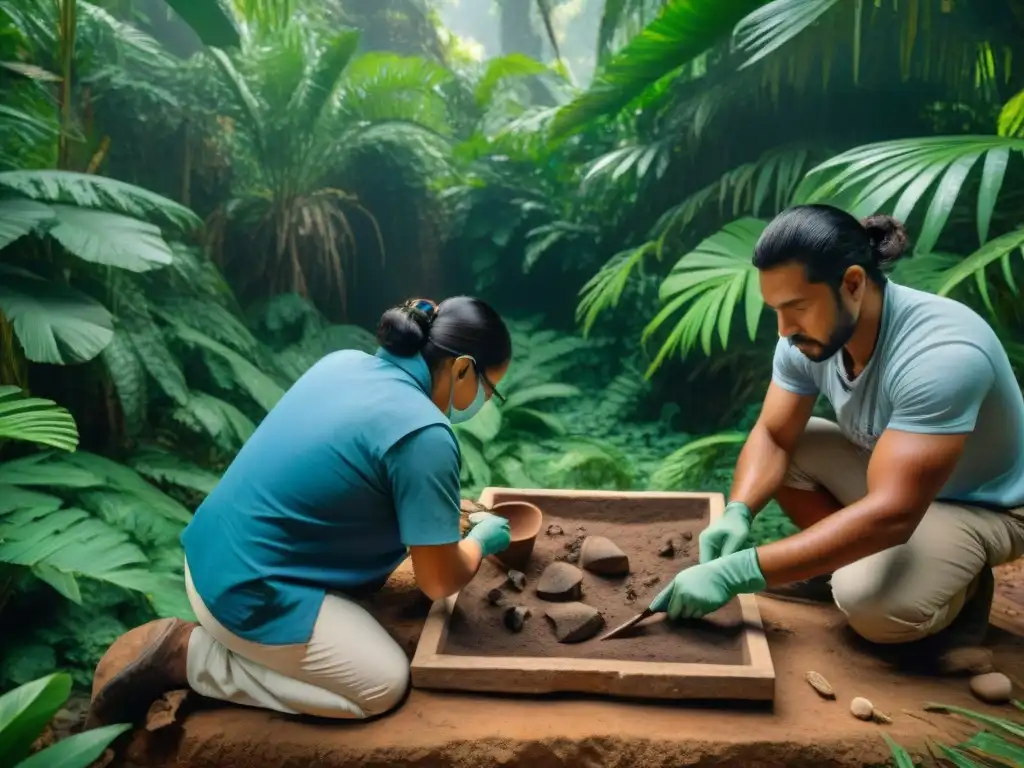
560 583
555 530
495 596
517 579
515 618
602 556
524 520
668 549
574 622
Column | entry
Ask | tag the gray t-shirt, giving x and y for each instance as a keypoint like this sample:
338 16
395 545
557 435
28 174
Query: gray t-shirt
937 368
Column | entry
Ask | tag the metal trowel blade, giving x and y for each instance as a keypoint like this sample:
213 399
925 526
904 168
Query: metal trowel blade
631 623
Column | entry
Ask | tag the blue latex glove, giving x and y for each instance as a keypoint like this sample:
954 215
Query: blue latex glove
702 589
730 533
490 531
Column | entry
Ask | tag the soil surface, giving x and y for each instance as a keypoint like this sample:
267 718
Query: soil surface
434 729
476 627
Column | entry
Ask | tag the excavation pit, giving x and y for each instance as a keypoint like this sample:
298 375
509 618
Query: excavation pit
466 645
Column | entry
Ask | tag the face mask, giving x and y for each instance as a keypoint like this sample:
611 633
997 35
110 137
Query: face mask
457 416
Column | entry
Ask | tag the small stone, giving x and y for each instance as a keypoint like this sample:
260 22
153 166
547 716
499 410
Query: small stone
880 717
517 579
515 617
555 530
600 555
1011 612
560 583
668 549
687 536
861 708
495 596
820 684
575 622
992 687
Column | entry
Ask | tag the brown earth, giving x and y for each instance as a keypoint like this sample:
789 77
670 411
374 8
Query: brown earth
476 627
470 731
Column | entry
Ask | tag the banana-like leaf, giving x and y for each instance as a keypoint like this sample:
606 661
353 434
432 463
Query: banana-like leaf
110 238
865 179
211 20
711 282
36 420
53 322
21 217
683 30
90 191
772 26
25 711
79 750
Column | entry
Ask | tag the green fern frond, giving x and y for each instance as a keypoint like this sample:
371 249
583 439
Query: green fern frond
214 418
35 420
164 467
603 290
687 467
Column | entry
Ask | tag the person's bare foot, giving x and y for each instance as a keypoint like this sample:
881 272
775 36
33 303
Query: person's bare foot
137 669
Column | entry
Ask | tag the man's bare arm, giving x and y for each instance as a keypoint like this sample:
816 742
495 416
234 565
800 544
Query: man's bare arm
765 456
906 472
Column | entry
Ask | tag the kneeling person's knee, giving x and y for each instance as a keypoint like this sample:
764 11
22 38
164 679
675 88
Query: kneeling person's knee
876 611
388 685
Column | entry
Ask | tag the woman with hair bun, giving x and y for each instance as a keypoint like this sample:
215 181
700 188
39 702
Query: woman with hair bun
355 469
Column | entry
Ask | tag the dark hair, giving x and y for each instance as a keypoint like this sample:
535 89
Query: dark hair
828 241
460 325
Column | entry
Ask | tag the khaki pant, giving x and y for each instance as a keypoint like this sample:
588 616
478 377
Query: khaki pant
351 668
916 589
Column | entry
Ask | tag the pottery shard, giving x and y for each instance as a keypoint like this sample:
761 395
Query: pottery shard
560 583
601 555
575 622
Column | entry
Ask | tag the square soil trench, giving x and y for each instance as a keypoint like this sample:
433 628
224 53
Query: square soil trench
465 645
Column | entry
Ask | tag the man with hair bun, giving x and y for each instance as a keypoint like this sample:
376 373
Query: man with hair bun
909 499
355 469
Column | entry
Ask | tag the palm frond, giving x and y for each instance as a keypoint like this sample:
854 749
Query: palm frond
688 466
603 291
36 420
381 87
999 249
712 281
773 25
864 180
681 32
1011 118
211 20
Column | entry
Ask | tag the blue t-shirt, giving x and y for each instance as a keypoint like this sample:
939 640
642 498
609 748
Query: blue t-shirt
352 466
937 368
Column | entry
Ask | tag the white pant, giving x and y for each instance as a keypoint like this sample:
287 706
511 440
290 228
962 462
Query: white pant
916 589
351 668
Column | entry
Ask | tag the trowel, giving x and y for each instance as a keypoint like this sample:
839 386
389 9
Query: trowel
646 613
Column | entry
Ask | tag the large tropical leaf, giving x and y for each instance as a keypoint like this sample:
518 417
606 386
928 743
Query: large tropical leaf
683 30
53 322
711 282
25 711
36 420
110 238
1000 250
864 180
79 750
211 20
90 191
1011 118
21 217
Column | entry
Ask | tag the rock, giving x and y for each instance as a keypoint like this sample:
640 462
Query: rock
687 536
555 530
560 583
515 617
574 622
820 684
601 555
668 549
992 687
517 579
861 708
495 596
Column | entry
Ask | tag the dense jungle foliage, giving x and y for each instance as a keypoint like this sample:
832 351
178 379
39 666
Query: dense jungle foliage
198 199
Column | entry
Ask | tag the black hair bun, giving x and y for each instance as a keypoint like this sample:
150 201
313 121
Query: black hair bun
403 331
888 237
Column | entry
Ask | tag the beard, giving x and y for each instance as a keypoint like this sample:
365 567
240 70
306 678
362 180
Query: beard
819 351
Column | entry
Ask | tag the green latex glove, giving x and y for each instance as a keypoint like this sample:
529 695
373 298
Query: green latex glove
702 589
729 533
490 531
